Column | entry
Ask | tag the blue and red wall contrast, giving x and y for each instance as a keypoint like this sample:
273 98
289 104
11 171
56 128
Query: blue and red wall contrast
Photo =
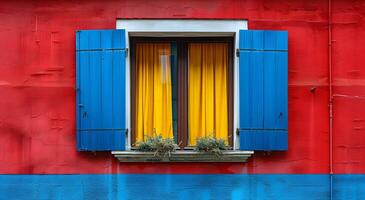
38 155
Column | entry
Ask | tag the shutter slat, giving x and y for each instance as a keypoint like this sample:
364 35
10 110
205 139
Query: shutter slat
94 40
244 88
106 40
77 91
107 90
119 91
282 40
84 90
256 90
100 102
276 84
94 87
263 90
251 84
269 40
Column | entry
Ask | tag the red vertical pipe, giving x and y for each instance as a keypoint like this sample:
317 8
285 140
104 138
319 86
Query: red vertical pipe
330 96
330 100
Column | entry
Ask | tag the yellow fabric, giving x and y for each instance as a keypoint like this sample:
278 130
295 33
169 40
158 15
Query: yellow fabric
153 91
208 95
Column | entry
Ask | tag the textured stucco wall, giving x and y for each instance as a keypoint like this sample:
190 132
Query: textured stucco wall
37 81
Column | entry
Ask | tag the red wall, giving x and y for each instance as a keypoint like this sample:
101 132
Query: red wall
37 81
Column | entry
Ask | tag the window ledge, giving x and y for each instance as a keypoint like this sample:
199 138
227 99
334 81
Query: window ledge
183 156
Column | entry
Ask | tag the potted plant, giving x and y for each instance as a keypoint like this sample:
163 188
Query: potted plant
209 144
161 147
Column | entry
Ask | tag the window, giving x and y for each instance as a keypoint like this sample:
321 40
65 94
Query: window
182 88
106 83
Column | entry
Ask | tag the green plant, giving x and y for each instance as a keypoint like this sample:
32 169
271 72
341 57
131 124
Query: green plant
157 144
211 145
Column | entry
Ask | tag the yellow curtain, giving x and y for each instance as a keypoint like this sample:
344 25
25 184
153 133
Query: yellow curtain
153 91
208 95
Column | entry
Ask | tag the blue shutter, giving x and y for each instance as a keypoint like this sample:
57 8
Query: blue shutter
263 89
100 90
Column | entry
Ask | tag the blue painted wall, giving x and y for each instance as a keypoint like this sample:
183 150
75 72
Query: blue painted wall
138 186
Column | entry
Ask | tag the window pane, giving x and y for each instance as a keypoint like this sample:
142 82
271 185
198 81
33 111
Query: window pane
208 91
154 96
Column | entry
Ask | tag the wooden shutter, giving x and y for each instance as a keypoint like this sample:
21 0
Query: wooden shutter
263 89
100 90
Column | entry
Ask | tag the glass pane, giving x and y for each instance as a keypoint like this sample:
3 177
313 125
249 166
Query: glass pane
208 91
154 90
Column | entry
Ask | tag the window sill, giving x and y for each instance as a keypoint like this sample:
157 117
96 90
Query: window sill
183 156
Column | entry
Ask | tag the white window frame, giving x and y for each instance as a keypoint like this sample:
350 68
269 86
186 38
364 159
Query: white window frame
183 28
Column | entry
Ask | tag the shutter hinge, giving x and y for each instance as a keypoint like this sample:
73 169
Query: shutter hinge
237 131
238 52
126 52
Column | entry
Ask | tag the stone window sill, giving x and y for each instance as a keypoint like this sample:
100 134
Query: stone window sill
183 156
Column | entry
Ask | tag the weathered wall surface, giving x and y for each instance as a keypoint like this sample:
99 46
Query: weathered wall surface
37 81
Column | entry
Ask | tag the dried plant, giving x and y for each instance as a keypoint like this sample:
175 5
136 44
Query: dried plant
160 146
210 144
